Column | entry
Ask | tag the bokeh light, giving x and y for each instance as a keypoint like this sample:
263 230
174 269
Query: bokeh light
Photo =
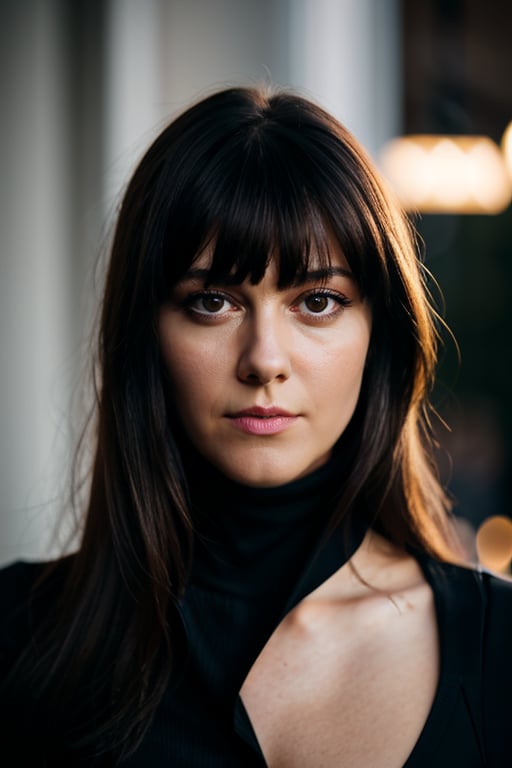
506 146
447 174
494 544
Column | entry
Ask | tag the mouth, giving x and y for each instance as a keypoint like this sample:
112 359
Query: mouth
262 412
258 420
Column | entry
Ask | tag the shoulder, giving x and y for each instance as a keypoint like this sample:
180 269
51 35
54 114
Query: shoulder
497 666
464 576
488 595
498 590
16 580
477 619
475 606
497 639
19 578
21 600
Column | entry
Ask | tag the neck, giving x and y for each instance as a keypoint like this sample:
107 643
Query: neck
259 551
246 537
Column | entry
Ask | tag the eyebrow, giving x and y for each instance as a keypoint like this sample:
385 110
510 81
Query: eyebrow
195 273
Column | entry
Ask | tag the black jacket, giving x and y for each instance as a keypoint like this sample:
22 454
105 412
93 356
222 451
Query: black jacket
469 726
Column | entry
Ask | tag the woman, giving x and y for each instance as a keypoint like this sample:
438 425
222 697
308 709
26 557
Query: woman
267 573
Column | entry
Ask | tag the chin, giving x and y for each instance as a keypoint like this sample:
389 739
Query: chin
268 474
256 477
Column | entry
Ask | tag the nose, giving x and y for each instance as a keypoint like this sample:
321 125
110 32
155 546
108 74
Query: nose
264 351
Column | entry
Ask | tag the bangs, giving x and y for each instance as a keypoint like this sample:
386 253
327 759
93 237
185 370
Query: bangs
265 187
252 202
267 216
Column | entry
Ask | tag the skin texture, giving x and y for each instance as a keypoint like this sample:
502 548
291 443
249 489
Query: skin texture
352 671
238 348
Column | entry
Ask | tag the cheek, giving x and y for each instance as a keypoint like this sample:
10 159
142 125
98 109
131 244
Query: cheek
341 373
186 388
342 365
195 373
183 370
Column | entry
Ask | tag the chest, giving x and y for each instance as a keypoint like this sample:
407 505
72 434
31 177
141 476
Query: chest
355 681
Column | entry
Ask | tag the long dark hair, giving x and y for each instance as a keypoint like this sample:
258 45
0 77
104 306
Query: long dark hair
253 173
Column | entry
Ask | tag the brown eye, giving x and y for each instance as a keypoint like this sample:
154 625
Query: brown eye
212 303
317 302
208 304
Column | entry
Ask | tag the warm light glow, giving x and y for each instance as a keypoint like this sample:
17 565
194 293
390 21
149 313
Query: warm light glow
448 174
506 147
494 543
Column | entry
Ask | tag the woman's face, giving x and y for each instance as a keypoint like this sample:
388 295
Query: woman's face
265 380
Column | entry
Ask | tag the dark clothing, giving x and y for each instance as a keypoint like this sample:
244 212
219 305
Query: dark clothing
470 723
257 558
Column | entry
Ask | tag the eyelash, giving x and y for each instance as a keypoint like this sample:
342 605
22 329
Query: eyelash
193 298
341 300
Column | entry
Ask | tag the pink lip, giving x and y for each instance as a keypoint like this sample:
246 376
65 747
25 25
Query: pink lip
262 421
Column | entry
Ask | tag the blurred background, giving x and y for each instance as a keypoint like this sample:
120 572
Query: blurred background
85 87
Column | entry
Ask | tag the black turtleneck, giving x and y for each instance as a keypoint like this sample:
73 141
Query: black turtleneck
252 546
258 552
